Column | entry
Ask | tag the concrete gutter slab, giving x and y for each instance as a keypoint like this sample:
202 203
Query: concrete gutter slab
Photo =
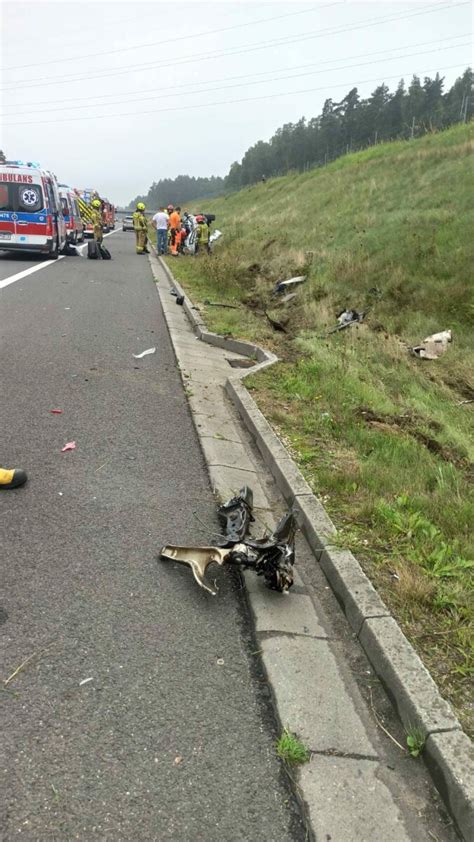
295 666
277 613
349 802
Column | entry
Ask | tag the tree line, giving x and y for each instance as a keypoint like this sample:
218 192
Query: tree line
179 190
349 125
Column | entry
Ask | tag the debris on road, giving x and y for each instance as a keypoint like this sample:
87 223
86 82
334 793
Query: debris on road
272 556
180 300
145 353
71 445
56 411
198 558
235 517
86 681
433 346
285 286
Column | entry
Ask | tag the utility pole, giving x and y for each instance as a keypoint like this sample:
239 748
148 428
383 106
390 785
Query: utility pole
412 134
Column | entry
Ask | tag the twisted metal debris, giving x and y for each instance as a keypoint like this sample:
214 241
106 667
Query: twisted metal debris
272 556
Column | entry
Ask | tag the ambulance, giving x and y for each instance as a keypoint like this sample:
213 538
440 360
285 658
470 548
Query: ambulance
31 217
71 214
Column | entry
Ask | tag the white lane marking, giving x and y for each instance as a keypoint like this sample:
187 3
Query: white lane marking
11 280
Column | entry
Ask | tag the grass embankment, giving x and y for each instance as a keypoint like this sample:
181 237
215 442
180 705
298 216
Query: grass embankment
382 437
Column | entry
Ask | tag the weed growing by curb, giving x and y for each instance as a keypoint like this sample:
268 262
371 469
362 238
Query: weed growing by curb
415 741
291 749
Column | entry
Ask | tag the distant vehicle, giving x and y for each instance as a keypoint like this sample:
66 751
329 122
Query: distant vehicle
31 217
72 215
127 223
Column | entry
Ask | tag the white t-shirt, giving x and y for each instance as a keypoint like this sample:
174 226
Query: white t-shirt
161 220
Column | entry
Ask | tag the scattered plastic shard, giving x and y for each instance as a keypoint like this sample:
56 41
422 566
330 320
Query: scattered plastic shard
433 346
286 299
198 559
144 353
56 411
71 445
86 680
347 318
285 286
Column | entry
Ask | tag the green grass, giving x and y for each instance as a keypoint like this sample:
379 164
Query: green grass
382 437
291 749
415 742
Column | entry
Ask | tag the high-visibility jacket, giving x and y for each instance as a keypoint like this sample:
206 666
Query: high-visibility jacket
175 220
202 233
139 221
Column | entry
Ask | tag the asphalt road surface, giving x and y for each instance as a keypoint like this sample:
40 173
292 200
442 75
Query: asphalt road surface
139 711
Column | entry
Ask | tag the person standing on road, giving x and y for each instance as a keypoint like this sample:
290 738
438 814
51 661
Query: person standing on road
97 221
160 223
175 227
140 225
11 478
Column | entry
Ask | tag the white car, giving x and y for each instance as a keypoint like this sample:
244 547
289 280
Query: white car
127 223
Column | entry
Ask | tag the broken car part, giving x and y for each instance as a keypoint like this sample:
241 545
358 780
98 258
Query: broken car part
433 346
272 557
235 517
198 559
285 286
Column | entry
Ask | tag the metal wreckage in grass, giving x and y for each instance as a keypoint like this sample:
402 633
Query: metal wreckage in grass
272 556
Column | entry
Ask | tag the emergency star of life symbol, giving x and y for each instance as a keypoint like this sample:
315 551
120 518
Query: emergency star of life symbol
29 197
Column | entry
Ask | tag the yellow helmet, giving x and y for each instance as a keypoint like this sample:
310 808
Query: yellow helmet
140 206
96 203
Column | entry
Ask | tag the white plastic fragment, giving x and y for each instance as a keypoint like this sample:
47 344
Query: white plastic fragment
86 681
144 353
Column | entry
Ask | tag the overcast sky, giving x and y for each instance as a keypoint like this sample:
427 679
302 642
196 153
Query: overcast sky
115 95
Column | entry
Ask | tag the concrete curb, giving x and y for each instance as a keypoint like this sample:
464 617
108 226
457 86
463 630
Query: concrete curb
449 754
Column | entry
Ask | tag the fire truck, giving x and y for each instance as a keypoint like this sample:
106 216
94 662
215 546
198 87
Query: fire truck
84 200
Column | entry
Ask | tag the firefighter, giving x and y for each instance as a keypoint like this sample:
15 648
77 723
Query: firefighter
97 220
141 229
202 234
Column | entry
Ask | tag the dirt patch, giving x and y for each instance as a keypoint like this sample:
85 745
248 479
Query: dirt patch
462 388
410 423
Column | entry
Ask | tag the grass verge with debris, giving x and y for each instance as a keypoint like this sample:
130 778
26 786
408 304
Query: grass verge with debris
384 439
